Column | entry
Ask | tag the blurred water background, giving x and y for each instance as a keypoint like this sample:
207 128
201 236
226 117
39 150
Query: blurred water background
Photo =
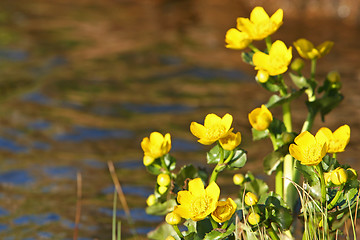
82 82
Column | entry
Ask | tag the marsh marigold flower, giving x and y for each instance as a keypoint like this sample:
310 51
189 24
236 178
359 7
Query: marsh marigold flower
231 141
309 149
237 40
213 129
224 210
307 50
197 203
260 118
338 139
156 146
274 63
260 25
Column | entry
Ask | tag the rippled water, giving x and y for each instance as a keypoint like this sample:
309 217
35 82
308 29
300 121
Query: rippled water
82 83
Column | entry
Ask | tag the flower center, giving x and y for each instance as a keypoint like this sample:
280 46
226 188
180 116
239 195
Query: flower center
312 153
200 205
215 131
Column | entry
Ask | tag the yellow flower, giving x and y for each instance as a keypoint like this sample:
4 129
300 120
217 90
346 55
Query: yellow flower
197 203
338 139
307 50
224 210
260 25
309 149
260 118
276 62
213 129
231 141
236 39
327 177
338 176
173 218
250 199
156 146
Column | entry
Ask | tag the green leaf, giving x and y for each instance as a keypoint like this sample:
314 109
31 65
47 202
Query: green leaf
308 172
170 162
247 57
299 81
220 234
277 127
276 100
213 156
203 227
161 208
162 232
328 163
328 103
238 160
257 135
272 161
271 84
255 185
155 168
277 209
192 236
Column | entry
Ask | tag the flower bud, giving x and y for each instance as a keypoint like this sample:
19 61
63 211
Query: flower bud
352 174
338 176
287 137
251 199
238 179
163 179
327 177
297 65
253 218
333 77
173 218
162 189
262 76
260 118
147 160
151 200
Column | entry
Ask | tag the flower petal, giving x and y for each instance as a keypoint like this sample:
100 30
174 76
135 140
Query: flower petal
183 211
211 120
258 15
196 187
226 121
197 129
277 17
304 139
296 152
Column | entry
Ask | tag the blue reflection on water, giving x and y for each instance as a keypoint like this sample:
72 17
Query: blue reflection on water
185 145
131 164
36 97
13 55
39 125
88 133
40 145
3 212
3 227
63 172
152 108
12 146
141 191
45 234
94 163
137 214
40 219
16 177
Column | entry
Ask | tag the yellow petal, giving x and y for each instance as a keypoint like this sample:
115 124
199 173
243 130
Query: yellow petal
327 132
156 138
211 120
296 152
325 48
258 15
213 191
305 138
277 17
185 198
306 49
183 211
236 39
227 121
196 187
260 60
343 133
197 129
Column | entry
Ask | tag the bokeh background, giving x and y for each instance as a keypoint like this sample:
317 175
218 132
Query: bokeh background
82 82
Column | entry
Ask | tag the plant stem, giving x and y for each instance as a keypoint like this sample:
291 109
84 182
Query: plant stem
279 187
322 182
272 234
213 223
216 171
177 230
313 69
268 43
253 48
336 198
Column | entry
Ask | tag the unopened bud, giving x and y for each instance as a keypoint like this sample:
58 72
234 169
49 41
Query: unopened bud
151 200
338 176
251 199
253 218
173 218
297 65
262 76
238 179
333 76
163 179
162 189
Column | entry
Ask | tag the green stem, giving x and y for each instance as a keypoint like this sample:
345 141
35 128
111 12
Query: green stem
177 230
313 69
213 223
309 121
336 198
229 157
322 182
253 48
163 165
268 43
216 170
272 234
279 187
